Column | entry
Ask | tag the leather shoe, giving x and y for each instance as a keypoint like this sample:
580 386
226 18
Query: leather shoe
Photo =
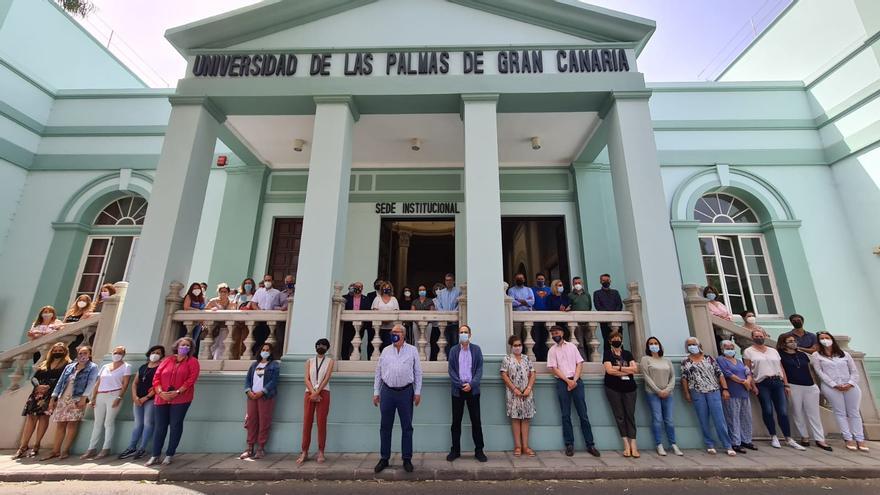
738 449
452 456
408 466
383 463
569 450
593 451
481 456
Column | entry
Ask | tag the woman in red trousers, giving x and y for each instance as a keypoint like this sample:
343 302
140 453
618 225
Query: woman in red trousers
261 383
317 399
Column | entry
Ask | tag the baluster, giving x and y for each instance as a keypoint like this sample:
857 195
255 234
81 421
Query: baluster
593 342
530 342
229 341
572 334
377 340
88 335
547 326
17 372
271 338
207 341
441 341
423 341
248 340
356 341
190 326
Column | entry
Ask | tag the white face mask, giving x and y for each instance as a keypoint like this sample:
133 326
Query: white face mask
578 287
463 337
407 293
155 357
197 292
826 342
117 358
751 320
560 289
517 349
81 304
105 295
47 316
267 285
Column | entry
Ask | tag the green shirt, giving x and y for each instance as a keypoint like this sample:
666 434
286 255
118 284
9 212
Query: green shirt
580 302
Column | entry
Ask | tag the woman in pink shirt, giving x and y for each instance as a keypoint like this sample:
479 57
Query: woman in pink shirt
174 384
716 307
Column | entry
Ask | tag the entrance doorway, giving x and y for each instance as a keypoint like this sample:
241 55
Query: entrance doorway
284 253
535 244
415 252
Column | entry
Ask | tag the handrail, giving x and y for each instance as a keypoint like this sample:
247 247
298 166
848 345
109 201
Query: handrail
729 328
69 330
575 316
400 315
183 315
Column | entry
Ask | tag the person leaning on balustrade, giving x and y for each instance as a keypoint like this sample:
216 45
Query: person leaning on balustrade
260 386
243 300
81 309
69 400
46 376
716 307
220 303
106 291
558 300
46 323
385 301
194 300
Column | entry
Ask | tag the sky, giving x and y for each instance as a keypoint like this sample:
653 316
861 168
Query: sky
694 41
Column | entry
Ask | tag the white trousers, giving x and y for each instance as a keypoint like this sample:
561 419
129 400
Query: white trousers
804 409
105 420
846 410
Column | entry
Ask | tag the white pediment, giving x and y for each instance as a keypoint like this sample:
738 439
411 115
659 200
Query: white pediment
410 23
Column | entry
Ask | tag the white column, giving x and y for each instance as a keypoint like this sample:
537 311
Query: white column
165 250
322 249
482 194
649 256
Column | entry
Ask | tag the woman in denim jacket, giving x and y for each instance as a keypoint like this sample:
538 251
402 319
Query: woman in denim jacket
261 383
69 400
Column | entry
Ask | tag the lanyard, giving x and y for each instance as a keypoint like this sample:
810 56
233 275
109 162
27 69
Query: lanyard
318 370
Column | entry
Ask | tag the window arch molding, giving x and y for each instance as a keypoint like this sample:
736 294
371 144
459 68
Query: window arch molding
85 204
760 195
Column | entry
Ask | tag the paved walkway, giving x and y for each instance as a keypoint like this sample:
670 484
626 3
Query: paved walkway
765 463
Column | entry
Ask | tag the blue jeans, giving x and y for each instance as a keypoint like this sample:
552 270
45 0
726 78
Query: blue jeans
661 415
400 402
143 425
566 398
708 407
771 393
168 416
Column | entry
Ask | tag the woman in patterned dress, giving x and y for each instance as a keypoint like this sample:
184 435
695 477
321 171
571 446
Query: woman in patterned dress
69 399
518 374
36 408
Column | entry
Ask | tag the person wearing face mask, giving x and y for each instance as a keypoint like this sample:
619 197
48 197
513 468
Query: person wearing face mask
579 297
45 323
220 303
840 385
267 298
518 375
423 302
766 365
106 291
44 379
522 295
112 384
69 400
316 402
659 377
447 300
620 390
806 341
143 406
194 300
355 300
606 299
737 409
465 367
558 300
750 323
174 385
260 387
715 306
565 364
397 387
243 300
385 302
701 380
81 309
287 292
803 397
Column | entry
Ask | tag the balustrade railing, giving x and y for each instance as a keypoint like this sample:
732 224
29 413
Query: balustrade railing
582 326
421 323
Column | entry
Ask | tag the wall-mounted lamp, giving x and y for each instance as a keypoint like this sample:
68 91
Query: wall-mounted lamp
536 143
877 250
415 144
298 145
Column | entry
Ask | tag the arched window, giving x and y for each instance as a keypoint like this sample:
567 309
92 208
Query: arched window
735 256
110 249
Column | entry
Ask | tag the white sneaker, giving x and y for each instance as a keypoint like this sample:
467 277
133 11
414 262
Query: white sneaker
660 449
152 461
676 450
167 460
791 443
774 442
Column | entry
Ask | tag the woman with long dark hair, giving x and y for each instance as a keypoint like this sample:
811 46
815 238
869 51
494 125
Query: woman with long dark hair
840 385
260 386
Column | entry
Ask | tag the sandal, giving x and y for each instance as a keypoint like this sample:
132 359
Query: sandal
246 454
636 454
34 451
64 455
517 452
50 455
19 453
302 458
320 459
530 452
259 454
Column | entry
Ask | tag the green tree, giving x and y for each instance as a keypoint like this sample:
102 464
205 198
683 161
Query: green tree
77 7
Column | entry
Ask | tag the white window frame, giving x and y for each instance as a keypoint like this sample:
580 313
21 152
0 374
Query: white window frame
770 272
82 265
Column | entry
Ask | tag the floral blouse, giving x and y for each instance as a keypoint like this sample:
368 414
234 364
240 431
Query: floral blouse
702 376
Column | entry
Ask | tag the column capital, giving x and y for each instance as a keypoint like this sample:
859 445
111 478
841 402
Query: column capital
209 105
685 224
346 99
781 224
476 98
591 167
616 96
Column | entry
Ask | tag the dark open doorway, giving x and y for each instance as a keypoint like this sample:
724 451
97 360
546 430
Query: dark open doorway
416 251
535 244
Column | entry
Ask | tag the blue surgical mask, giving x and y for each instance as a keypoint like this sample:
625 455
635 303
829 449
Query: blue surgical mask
711 296
694 349
423 293
654 348
730 352
248 287
463 337
265 354
290 286
395 338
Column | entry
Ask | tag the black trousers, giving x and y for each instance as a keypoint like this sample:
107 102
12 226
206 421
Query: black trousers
473 405
623 407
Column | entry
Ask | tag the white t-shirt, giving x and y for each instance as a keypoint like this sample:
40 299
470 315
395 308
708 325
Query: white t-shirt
764 364
112 379
258 378
391 305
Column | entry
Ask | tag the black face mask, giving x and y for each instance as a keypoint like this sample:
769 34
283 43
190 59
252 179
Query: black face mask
321 350
557 338
58 355
616 344
519 283
798 324
356 290
386 291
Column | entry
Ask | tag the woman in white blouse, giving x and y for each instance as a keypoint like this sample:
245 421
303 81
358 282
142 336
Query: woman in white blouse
840 385
113 380
385 301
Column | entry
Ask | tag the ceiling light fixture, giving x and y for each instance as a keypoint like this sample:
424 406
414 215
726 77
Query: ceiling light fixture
415 144
536 143
298 145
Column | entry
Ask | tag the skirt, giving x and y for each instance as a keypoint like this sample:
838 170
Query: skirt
66 410
37 404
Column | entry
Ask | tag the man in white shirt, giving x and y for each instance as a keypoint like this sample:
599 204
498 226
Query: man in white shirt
267 298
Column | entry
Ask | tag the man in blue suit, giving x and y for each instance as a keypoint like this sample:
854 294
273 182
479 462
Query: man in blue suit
465 372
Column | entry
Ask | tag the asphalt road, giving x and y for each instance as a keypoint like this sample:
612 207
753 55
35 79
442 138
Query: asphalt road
624 487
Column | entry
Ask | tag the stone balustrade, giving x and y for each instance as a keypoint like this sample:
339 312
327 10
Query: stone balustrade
582 326
419 321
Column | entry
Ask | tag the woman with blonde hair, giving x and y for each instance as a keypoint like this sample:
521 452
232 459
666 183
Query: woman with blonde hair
69 400
385 301
36 408
558 301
